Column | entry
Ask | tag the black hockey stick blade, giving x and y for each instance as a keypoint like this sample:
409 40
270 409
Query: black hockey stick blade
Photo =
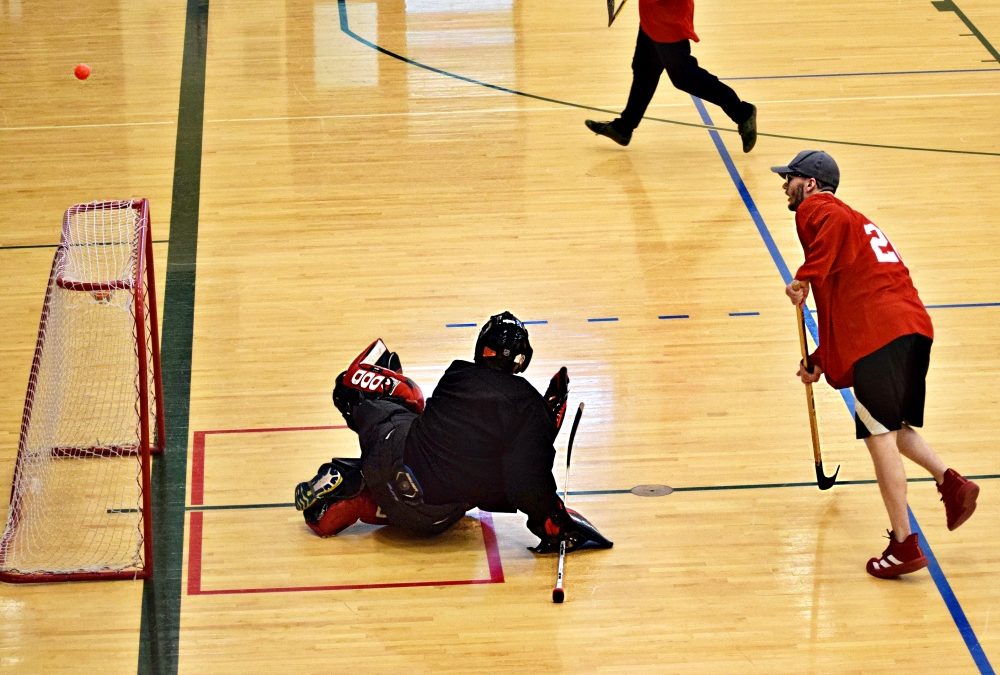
822 481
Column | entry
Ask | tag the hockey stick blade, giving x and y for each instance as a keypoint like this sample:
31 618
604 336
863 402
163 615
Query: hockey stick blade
823 481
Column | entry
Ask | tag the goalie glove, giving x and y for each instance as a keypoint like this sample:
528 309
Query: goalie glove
375 374
556 397
573 527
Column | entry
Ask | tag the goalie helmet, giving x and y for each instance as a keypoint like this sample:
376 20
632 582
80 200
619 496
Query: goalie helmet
503 344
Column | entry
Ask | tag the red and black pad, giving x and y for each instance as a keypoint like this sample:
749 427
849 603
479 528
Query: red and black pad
372 374
329 517
574 528
376 373
556 397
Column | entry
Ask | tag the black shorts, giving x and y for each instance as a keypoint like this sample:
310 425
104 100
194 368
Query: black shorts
890 386
382 430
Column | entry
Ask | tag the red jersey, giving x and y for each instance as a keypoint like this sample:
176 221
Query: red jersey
667 20
863 292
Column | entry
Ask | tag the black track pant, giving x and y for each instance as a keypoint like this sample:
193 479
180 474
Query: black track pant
652 58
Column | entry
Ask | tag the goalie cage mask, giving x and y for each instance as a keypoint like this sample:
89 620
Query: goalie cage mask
503 344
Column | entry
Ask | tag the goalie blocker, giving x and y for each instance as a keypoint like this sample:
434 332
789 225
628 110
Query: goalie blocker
484 439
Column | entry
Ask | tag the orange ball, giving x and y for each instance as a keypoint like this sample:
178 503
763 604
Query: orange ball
82 71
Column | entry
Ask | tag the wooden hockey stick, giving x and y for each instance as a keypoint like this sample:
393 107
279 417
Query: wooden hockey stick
822 480
559 592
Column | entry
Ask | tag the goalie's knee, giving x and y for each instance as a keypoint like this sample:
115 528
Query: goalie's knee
329 517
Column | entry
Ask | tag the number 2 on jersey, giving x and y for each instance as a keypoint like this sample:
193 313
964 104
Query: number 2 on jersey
880 244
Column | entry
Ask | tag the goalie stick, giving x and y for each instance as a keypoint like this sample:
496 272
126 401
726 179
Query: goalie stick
559 592
612 12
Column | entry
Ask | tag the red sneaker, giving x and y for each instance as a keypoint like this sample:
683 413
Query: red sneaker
898 558
959 496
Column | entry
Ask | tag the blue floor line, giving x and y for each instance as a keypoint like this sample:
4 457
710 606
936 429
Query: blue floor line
951 602
944 588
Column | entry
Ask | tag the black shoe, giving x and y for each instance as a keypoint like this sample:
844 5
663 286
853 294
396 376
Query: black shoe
748 129
610 130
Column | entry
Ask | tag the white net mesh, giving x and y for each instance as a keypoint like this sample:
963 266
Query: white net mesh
77 500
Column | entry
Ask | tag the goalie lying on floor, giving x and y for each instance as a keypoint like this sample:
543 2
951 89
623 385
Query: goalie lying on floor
484 440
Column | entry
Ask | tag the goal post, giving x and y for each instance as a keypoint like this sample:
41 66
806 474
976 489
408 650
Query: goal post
93 412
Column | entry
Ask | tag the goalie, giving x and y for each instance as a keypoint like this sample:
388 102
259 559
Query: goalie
485 440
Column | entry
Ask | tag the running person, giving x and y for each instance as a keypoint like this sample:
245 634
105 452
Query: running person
666 29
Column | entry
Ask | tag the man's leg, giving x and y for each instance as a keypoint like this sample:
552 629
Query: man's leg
891 480
646 71
903 555
958 493
915 449
688 76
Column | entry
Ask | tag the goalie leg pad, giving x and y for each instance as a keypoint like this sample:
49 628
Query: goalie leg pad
330 517
346 400
376 373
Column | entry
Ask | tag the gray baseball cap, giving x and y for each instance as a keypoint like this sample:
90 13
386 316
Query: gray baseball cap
812 164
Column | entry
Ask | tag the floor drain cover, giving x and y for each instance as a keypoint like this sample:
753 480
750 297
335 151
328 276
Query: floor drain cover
652 490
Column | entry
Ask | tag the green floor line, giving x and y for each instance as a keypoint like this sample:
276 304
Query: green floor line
161 601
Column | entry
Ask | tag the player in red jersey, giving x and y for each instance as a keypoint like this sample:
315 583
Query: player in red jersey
874 335
666 29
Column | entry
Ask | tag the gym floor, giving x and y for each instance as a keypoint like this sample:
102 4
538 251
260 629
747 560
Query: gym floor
324 173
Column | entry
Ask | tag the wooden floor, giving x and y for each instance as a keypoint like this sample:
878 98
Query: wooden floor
321 174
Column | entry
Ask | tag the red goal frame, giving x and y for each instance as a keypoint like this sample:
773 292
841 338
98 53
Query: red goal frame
152 433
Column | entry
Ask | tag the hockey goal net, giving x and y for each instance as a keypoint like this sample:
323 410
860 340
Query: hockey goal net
93 412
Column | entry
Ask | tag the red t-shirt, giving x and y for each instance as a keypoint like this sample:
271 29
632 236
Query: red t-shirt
863 292
667 20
